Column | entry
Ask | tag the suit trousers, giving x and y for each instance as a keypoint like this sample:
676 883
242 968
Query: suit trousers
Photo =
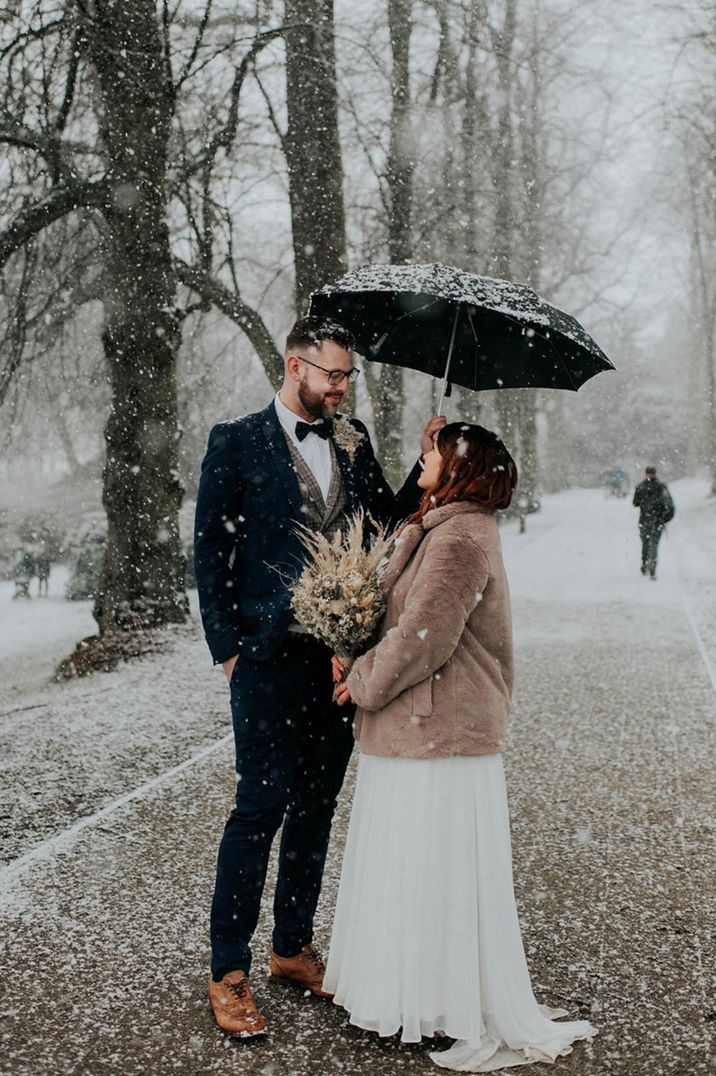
292 749
650 533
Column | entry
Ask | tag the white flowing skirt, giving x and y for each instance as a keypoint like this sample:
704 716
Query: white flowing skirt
426 936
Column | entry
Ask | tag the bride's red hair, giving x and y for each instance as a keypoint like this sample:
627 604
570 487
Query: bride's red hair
476 467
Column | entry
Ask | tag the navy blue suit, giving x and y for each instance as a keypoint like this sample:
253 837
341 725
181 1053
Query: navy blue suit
292 742
246 546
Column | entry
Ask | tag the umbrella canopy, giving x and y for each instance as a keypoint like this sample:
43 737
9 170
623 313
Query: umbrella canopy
473 330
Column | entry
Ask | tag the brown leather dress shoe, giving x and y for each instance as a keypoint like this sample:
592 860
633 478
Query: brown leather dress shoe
306 970
234 1007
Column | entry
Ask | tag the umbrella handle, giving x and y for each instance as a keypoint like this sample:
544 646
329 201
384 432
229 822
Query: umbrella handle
449 358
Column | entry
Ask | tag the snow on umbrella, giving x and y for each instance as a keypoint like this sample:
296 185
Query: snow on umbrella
470 330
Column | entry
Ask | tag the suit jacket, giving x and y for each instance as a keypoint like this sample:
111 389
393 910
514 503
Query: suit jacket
246 549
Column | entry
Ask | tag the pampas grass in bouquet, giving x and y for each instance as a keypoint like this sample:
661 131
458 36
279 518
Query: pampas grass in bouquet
339 597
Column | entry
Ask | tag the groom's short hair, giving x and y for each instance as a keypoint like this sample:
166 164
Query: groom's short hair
312 331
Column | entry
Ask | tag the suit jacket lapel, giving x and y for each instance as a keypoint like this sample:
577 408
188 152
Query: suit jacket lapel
281 458
349 478
332 495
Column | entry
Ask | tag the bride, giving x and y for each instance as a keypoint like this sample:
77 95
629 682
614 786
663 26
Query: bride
426 936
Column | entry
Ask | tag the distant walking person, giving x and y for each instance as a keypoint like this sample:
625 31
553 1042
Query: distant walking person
42 564
25 572
656 509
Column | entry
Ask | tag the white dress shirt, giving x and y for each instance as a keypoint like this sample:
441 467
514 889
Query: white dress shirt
315 450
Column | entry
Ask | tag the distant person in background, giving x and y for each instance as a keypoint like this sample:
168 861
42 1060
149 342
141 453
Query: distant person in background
42 564
656 509
618 482
25 571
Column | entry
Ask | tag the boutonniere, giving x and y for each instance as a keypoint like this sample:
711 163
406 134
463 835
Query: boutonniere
346 436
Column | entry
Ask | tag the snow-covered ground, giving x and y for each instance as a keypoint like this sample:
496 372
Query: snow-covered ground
36 634
114 790
583 550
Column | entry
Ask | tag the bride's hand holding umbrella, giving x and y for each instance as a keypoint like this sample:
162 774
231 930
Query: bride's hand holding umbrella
427 437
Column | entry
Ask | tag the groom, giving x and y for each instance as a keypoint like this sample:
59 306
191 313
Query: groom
262 474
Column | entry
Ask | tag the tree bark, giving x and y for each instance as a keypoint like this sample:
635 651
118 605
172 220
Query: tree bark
142 582
312 147
507 401
473 118
503 44
401 153
387 389
530 250
387 396
558 470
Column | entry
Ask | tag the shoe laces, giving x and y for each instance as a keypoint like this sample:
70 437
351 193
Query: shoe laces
240 989
315 957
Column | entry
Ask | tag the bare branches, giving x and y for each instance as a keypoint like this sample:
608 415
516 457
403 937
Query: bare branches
233 306
18 326
70 85
57 204
196 46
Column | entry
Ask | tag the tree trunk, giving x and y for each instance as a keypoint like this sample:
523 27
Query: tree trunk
142 582
507 400
312 147
58 417
711 395
472 119
502 176
528 445
558 474
468 405
387 391
530 249
401 155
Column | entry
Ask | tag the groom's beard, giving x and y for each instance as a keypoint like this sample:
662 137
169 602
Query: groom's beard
315 403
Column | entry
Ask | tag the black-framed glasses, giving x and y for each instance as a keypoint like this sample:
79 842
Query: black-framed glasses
334 376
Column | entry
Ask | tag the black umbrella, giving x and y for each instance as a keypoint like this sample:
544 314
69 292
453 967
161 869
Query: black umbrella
471 330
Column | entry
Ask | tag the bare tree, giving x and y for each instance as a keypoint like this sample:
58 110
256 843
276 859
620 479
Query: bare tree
386 383
694 122
91 140
312 147
126 60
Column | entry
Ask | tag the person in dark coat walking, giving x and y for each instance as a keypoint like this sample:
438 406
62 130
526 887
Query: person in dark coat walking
25 571
43 564
295 462
656 509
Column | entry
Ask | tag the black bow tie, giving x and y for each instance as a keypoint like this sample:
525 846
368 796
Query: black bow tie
322 429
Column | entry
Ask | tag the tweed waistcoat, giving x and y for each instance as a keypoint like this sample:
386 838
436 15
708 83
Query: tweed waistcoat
325 516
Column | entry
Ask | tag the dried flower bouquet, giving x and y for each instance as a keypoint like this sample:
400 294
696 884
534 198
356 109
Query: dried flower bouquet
339 597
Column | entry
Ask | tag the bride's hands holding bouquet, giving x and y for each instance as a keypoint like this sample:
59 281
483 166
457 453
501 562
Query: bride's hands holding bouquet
341 693
339 596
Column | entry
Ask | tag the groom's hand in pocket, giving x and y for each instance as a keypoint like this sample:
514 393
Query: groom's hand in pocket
228 666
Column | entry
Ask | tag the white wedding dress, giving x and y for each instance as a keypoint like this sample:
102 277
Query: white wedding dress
426 936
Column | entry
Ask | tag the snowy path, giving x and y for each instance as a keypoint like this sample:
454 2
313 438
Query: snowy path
36 634
613 811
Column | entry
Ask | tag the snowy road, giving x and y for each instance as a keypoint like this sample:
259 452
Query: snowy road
115 790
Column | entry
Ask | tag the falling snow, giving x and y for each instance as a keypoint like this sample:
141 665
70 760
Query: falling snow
612 808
